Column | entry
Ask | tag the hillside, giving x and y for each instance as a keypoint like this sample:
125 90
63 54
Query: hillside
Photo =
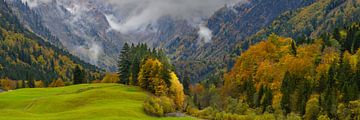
313 20
95 101
230 26
26 56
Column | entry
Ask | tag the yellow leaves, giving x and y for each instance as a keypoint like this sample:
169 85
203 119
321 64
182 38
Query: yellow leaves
176 91
311 50
351 59
41 60
265 74
110 78
7 84
39 84
150 79
330 55
57 83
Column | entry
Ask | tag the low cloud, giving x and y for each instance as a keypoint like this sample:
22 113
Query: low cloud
92 51
205 33
141 13
113 22
35 3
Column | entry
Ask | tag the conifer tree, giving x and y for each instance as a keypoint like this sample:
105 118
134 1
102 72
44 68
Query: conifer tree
79 75
124 64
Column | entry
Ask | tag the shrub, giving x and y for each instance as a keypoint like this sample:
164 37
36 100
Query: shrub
57 83
39 84
96 81
323 117
159 106
110 78
7 84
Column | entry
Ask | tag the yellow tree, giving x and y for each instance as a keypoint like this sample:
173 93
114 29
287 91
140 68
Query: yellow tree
176 91
149 77
110 78
57 83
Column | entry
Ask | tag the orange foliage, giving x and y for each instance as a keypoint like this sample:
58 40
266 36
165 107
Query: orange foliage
110 78
57 83
7 84
266 63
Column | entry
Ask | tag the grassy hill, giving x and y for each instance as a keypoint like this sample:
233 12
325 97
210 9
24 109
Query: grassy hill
88 101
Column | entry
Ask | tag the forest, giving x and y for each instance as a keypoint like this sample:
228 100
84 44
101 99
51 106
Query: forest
283 78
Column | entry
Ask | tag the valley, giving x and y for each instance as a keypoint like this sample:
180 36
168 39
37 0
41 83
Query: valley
180 59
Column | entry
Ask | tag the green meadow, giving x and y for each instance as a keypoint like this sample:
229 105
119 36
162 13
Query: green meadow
87 101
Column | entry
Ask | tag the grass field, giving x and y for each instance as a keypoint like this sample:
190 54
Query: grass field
93 101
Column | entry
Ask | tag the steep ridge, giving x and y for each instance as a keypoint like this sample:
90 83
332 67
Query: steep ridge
25 56
314 20
80 26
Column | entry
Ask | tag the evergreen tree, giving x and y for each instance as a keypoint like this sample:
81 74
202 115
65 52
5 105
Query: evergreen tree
259 96
186 84
336 34
286 90
124 64
79 75
250 91
267 100
328 98
305 92
293 48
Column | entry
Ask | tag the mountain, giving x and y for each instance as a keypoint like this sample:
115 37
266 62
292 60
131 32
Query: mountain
230 26
87 28
26 56
314 20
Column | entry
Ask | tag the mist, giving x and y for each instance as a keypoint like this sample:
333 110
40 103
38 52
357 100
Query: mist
91 51
141 13
35 3
205 34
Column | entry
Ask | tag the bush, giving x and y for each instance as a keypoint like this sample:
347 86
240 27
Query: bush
110 78
39 84
57 83
159 106
323 117
7 84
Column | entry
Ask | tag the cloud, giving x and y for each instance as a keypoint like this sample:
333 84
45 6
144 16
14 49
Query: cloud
91 51
35 3
113 22
205 33
141 13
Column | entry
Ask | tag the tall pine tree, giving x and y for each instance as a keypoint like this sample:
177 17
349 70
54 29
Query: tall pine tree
124 64
79 75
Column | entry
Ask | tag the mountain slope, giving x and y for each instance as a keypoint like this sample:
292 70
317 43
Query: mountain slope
314 20
25 56
96 101
81 27
230 26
